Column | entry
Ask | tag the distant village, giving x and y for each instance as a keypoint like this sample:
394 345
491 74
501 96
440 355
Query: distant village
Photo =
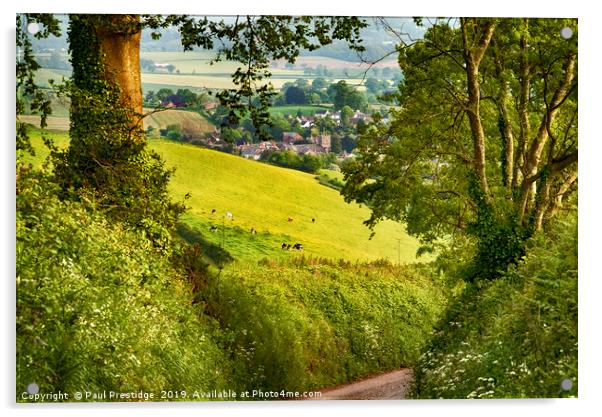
313 145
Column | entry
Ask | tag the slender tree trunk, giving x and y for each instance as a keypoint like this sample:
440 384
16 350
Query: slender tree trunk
543 202
534 154
559 196
472 57
523 110
506 126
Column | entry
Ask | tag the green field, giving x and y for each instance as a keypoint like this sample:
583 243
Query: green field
263 197
292 110
196 72
155 81
44 74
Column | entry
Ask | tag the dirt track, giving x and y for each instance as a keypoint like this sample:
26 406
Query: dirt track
390 386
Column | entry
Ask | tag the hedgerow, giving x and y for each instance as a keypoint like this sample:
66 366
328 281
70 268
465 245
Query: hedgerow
100 308
515 337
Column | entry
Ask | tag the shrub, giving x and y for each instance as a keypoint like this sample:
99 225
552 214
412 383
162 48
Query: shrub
515 337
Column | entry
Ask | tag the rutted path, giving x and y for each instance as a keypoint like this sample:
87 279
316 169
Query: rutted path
390 386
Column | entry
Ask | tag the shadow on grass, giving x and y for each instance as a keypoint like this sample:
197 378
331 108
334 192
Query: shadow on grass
216 254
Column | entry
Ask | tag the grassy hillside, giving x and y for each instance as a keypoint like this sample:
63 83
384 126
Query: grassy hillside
277 324
99 307
264 197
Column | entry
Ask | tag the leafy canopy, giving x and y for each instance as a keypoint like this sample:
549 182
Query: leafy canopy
484 145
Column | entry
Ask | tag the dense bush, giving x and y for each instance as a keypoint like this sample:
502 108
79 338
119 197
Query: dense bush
99 308
289 159
308 323
515 337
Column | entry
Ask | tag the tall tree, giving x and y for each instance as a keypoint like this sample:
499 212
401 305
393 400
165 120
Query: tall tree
484 146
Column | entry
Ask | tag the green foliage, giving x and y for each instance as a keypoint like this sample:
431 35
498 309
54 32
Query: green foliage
515 337
173 132
311 323
500 240
343 95
326 180
288 159
295 95
98 308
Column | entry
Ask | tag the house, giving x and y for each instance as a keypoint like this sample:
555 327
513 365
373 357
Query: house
358 115
322 140
320 114
210 105
305 122
254 151
161 66
250 152
310 149
291 137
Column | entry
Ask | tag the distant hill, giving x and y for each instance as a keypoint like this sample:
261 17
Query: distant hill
164 118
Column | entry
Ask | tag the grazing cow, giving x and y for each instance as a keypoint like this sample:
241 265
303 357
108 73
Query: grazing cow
213 211
313 220
290 219
213 228
283 246
229 215
288 246
253 231
298 246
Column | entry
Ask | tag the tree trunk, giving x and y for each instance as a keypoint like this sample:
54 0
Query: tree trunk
534 154
562 189
523 112
119 41
505 125
472 57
